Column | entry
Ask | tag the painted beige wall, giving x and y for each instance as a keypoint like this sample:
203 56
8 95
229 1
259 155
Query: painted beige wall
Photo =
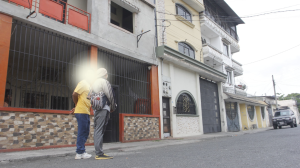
244 117
259 117
254 121
179 31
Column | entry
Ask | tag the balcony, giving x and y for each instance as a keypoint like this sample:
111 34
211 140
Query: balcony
60 11
196 4
212 56
235 90
212 29
238 69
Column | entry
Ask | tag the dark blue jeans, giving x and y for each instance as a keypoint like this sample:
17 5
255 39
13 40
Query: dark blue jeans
83 121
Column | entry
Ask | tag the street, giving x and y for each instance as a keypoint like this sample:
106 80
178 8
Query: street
272 148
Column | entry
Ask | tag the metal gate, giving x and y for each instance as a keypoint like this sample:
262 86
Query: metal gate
43 68
232 117
210 106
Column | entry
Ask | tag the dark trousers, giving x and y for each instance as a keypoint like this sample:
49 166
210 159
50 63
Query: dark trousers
83 121
100 121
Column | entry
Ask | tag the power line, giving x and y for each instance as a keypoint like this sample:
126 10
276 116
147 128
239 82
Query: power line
272 55
236 17
287 84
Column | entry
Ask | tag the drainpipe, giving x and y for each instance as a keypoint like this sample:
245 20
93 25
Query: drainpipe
155 17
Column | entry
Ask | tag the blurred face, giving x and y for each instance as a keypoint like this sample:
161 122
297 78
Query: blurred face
106 76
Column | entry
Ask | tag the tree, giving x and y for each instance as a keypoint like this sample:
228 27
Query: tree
294 96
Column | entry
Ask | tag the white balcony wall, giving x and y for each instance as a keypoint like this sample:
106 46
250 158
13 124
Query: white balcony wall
81 4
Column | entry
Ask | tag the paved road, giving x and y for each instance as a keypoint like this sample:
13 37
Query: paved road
272 148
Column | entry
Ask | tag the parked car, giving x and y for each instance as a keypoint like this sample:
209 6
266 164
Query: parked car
284 118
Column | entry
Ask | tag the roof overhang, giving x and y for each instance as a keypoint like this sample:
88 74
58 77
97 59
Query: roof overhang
196 4
235 18
181 60
242 99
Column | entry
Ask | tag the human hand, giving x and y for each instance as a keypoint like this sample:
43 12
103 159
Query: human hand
72 111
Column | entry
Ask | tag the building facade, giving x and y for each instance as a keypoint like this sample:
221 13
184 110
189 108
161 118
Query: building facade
46 46
190 90
220 41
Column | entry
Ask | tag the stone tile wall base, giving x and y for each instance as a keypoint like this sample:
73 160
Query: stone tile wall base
21 130
139 128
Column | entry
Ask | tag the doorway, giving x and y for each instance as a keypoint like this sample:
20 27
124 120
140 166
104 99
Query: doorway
166 117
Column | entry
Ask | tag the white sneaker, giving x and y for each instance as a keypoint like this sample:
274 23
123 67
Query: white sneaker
86 155
83 156
78 156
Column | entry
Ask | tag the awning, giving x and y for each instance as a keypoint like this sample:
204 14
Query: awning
242 99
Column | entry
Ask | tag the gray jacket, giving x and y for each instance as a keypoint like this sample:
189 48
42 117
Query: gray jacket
102 85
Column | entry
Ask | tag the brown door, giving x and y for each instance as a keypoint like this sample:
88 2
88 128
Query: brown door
166 117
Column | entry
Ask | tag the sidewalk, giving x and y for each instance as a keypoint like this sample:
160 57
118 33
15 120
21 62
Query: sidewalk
117 148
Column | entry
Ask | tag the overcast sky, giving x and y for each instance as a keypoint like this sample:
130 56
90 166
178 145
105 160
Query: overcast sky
264 36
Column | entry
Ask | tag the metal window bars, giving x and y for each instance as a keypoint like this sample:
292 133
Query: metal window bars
43 68
133 80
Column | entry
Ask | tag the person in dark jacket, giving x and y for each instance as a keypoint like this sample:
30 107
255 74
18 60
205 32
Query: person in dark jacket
101 117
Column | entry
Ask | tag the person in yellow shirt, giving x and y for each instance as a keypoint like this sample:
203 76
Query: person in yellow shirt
82 114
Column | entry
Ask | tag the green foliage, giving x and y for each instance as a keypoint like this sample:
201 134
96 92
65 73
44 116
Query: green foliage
295 96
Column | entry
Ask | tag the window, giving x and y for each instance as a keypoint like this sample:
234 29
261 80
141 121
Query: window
59 103
186 49
225 49
231 110
185 104
250 112
181 11
263 112
229 79
121 17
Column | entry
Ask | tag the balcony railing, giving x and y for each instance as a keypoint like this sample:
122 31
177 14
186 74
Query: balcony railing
60 11
214 16
235 90
209 51
237 68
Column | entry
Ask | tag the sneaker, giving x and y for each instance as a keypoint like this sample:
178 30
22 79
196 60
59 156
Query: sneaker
86 155
104 156
83 156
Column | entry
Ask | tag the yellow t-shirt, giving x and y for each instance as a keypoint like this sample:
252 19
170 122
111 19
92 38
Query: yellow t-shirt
83 105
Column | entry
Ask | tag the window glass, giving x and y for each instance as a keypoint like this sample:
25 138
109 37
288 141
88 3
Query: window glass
183 12
186 49
263 112
121 17
229 77
185 104
225 49
250 112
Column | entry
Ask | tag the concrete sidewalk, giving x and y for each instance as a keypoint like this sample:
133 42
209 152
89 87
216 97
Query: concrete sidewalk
117 148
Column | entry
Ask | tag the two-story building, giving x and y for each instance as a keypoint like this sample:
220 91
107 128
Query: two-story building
220 41
46 48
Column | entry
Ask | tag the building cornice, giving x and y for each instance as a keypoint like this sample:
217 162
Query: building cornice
182 60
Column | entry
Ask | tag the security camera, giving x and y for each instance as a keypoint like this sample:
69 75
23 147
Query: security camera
149 67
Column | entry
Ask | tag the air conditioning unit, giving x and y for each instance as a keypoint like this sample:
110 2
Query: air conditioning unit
142 106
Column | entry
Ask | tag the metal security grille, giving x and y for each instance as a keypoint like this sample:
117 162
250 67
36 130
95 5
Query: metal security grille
263 112
133 80
250 112
185 104
232 117
231 110
43 68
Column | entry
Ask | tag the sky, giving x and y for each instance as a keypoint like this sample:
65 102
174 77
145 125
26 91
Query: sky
265 36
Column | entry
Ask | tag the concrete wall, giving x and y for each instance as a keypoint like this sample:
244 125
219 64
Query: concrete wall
259 117
244 116
103 33
180 32
186 81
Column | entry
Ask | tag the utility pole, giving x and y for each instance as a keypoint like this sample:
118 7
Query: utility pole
275 92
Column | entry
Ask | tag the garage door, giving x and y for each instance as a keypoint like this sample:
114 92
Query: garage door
210 106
